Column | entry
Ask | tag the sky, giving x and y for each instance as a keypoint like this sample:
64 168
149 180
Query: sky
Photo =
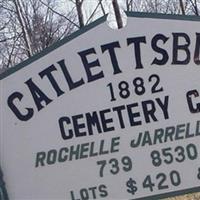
90 5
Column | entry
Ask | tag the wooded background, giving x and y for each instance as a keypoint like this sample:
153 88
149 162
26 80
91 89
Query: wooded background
29 26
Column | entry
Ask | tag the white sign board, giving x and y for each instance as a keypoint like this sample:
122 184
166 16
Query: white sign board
106 114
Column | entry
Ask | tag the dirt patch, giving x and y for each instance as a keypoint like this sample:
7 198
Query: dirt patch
195 196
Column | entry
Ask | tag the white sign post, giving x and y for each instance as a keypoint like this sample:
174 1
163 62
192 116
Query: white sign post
106 114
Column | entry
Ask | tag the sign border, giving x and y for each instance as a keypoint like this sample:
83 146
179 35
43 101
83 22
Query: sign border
87 28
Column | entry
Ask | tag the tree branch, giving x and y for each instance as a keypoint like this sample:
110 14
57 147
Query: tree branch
100 1
59 14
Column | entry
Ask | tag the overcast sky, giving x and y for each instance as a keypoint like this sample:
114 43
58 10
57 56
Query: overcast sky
90 5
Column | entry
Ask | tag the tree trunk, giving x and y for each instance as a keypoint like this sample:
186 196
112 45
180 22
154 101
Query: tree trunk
80 13
127 5
196 8
182 7
23 26
117 14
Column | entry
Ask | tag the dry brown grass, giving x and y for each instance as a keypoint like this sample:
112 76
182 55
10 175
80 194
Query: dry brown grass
195 196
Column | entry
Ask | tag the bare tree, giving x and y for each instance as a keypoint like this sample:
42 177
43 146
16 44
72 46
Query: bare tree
194 5
102 7
99 4
79 4
23 24
182 7
129 5
117 13
29 27
60 14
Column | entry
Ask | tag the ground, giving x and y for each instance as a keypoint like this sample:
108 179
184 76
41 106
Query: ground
195 196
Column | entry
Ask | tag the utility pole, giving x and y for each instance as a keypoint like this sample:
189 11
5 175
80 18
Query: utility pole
117 14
